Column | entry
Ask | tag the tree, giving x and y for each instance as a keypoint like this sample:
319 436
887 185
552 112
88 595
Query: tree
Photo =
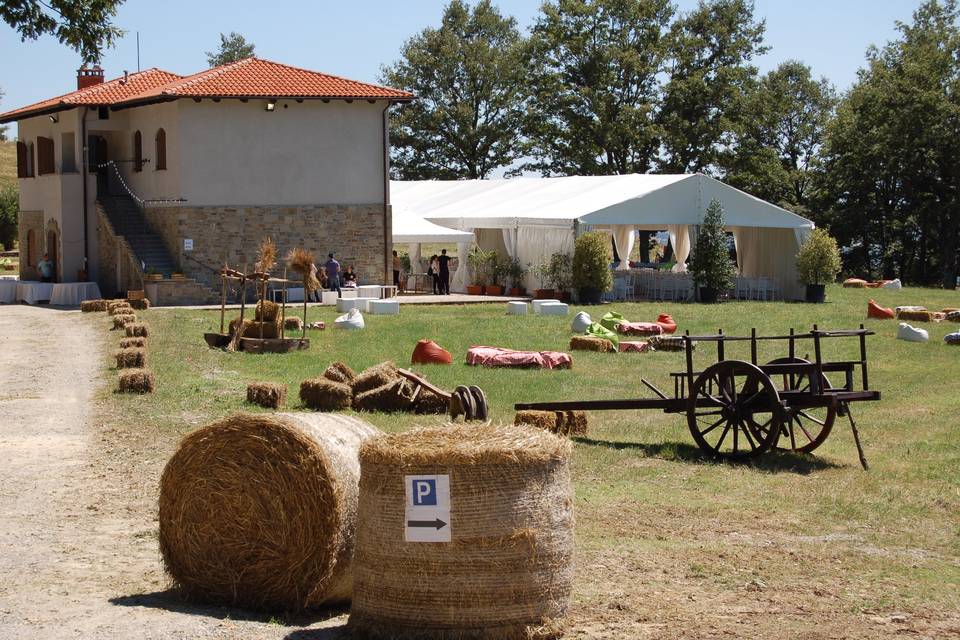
709 77
781 135
232 48
84 25
592 68
710 263
468 79
9 213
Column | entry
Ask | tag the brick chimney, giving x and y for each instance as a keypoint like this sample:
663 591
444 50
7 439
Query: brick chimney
88 77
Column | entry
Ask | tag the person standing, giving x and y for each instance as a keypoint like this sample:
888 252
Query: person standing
332 267
444 261
434 273
397 264
314 273
45 267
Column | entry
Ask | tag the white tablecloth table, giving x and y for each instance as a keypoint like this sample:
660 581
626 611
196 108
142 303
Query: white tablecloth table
34 292
71 294
8 291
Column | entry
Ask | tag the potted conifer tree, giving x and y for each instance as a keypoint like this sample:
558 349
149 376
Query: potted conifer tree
710 263
591 267
818 264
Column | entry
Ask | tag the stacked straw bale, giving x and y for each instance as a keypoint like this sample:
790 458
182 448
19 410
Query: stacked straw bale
429 402
140 305
321 394
507 571
568 423
374 377
389 398
127 343
88 306
131 358
591 343
267 394
137 381
117 304
138 330
259 511
339 372
120 321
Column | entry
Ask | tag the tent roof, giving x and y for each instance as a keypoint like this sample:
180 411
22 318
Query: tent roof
410 228
652 200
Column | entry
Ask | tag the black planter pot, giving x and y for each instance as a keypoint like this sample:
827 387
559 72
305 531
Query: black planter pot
816 292
589 295
708 295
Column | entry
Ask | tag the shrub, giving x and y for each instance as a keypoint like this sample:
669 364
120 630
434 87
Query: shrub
818 261
516 272
9 211
591 262
710 263
479 261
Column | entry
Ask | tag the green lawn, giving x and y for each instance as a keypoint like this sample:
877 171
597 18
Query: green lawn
887 539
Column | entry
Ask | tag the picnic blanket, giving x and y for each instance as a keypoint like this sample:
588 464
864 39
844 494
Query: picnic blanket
641 328
499 357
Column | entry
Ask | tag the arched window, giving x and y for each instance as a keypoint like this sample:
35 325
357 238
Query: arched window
161 150
137 152
31 248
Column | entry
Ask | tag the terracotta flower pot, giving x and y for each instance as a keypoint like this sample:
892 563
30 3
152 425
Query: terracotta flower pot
494 290
543 294
474 289
517 291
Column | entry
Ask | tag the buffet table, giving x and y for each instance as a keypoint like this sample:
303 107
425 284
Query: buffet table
71 294
34 292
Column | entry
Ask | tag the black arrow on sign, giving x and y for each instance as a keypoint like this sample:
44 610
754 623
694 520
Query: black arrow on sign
427 524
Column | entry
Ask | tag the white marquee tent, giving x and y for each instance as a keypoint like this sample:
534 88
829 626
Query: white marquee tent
413 230
532 218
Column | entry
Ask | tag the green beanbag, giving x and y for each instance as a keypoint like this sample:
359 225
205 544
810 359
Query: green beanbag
599 331
611 319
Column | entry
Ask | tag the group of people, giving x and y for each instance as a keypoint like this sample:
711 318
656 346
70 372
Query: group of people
331 278
439 271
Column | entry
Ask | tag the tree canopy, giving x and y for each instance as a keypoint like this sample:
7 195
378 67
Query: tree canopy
233 47
84 25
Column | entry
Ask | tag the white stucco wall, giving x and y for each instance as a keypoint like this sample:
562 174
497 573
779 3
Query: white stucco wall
153 183
236 153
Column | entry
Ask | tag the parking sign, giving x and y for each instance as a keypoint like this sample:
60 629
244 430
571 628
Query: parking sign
427 508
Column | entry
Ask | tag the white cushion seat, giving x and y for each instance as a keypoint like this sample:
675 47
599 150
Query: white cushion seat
516 308
539 303
554 309
329 298
912 334
346 304
348 293
389 307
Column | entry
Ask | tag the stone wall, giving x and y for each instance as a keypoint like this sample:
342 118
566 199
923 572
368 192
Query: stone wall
179 292
115 256
355 233
31 220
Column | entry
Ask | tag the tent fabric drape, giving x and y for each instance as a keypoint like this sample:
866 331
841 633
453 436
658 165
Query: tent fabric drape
536 245
771 253
680 239
414 252
623 236
510 242
461 277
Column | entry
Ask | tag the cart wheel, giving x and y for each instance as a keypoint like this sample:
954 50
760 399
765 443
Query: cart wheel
480 400
723 399
803 429
467 403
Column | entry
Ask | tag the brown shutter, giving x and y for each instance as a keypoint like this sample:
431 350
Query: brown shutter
137 152
161 149
22 160
45 161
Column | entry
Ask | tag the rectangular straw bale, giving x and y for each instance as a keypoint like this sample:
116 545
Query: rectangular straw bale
88 306
137 381
430 403
131 358
915 316
126 343
267 394
293 323
321 394
120 309
389 398
339 372
138 330
591 343
113 304
140 305
572 423
374 377
271 329
122 320
541 419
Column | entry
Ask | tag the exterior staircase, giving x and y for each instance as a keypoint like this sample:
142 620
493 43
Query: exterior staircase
128 221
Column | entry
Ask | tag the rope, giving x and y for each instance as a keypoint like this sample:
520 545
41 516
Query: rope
112 165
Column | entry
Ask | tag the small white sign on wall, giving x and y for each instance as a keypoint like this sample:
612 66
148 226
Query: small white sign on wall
188 244
427 508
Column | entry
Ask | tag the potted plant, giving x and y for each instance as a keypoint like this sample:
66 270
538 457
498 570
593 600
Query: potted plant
818 263
516 272
496 269
591 267
177 275
152 275
710 263
541 272
478 259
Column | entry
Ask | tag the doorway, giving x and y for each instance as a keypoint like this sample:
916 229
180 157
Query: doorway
98 155
52 250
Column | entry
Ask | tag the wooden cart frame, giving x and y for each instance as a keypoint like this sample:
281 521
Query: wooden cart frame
740 409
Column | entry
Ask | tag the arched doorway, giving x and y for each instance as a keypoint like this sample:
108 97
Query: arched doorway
99 155
53 249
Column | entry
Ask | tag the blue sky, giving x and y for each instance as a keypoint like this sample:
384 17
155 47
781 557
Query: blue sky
354 39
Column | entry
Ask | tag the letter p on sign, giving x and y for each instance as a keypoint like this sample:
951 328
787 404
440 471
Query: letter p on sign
425 492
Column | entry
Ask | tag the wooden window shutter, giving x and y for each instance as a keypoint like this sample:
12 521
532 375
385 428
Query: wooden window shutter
137 152
161 151
45 160
22 159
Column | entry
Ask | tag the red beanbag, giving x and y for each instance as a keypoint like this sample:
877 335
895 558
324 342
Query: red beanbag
668 324
429 352
880 313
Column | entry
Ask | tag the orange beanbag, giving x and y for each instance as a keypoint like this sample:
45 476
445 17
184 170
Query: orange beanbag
429 352
668 324
855 283
880 313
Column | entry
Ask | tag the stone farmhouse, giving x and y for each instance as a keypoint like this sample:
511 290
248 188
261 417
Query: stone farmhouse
154 173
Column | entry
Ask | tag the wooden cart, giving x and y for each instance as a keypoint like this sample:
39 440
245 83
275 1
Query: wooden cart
737 409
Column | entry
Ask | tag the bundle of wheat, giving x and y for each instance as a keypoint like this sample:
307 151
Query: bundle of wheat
569 423
266 311
428 402
266 256
339 372
375 376
293 323
389 398
301 261
267 394
321 394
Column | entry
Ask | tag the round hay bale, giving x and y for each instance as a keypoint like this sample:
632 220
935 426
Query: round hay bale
126 343
339 372
140 305
507 569
88 306
267 394
321 394
374 377
430 403
137 381
259 510
591 343
390 398
293 323
266 311
131 358
122 320
138 330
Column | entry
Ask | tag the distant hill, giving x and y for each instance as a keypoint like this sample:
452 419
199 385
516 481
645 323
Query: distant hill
8 163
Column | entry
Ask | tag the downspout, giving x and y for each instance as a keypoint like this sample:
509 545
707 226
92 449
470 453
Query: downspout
83 175
387 238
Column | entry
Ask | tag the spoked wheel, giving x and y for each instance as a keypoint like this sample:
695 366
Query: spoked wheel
734 411
803 429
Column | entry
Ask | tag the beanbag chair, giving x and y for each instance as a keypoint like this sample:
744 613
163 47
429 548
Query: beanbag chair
597 330
580 322
855 283
499 357
668 324
640 328
429 352
893 284
950 338
352 319
953 316
668 343
627 346
611 319
880 313
912 334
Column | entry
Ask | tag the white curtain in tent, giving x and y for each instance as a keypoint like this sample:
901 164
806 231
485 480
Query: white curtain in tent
460 278
772 253
414 251
681 242
510 241
537 244
623 236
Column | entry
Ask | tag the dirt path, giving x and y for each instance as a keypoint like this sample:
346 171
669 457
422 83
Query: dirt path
78 554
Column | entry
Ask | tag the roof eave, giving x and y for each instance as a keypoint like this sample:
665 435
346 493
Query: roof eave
168 98
16 117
